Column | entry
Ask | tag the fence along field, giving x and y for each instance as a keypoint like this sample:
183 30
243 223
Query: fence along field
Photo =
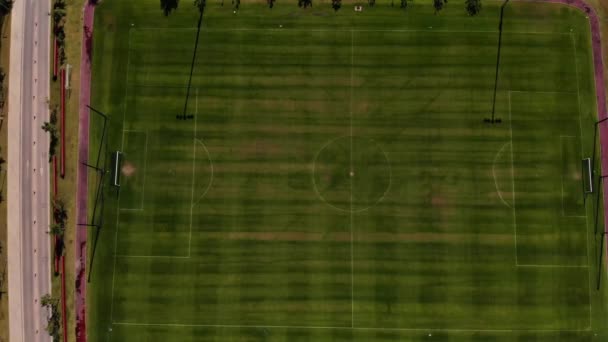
336 181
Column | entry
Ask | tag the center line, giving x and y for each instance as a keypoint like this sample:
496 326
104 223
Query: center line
352 173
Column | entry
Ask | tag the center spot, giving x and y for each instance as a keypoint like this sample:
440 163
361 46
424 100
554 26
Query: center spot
334 173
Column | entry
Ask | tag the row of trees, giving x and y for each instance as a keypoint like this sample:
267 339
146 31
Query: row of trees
472 6
51 128
60 216
53 325
59 12
169 5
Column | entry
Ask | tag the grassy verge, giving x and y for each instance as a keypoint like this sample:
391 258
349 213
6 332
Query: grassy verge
4 64
67 185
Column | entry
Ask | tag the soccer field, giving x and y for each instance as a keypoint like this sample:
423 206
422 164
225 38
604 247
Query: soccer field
335 179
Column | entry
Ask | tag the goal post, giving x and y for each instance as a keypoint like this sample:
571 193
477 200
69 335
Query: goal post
116 161
587 177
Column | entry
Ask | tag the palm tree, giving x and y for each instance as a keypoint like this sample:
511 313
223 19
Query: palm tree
60 213
57 230
438 4
473 6
5 6
168 5
200 4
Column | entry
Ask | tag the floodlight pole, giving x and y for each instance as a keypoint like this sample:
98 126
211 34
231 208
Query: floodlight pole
502 9
595 141
599 262
103 132
600 181
198 33
93 167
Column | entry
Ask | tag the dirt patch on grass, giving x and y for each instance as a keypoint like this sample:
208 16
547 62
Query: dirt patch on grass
128 169
438 201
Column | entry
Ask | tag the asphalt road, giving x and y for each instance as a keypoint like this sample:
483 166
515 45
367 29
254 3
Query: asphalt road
28 195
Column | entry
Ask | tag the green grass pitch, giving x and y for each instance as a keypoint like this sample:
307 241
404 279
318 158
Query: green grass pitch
337 181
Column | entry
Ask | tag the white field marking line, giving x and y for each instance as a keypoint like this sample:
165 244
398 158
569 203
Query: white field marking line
553 266
580 126
494 174
122 144
359 210
131 209
199 141
314 171
561 137
352 236
513 180
210 177
354 30
543 92
193 171
236 326
152 256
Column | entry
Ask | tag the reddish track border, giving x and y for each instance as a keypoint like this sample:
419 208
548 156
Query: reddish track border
83 140
83 154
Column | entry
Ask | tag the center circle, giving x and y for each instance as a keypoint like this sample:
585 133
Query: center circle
351 173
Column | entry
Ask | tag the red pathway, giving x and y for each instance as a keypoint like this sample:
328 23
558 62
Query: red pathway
83 140
83 156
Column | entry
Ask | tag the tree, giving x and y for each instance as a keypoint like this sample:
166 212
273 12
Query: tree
473 6
53 324
336 4
438 4
304 3
168 5
51 128
5 6
60 213
200 4
57 230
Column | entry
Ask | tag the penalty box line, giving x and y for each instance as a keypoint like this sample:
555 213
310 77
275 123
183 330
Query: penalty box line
514 208
116 255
